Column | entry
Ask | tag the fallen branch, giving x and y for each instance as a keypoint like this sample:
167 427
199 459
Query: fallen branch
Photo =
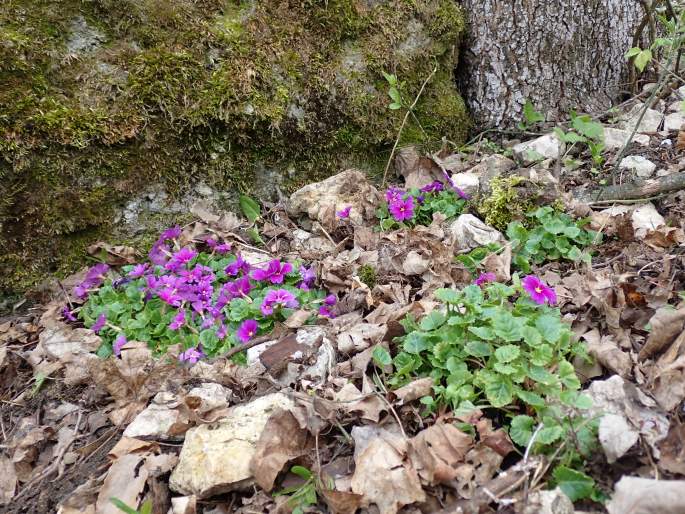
632 190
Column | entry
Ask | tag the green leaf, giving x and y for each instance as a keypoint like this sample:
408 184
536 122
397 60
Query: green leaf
301 472
633 52
499 392
250 208
394 106
507 326
435 319
531 336
122 506
448 295
541 375
391 79
567 375
542 355
478 349
507 353
572 232
521 429
574 484
548 435
381 356
574 254
254 235
395 95
642 59
555 226
146 508
532 399
505 369
483 332
415 343
550 326
530 114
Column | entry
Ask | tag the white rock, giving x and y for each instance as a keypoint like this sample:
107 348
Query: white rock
216 458
647 496
468 232
675 106
643 168
615 139
210 396
616 436
549 502
650 122
467 182
548 146
645 219
157 418
674 121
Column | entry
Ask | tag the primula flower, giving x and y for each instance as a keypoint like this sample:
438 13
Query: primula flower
237 289
402 209
236 267
118 343
192 355
180 259
484 278
278 298
223 330
434 187
159 254
538 290
393 194
170 233
325 311
223 248
99 323
178 321
420 199
330 300
67 314
94 278
247 330
275 272
344 212
138 270
308 276
211 242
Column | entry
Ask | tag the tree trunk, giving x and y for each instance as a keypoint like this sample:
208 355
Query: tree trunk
560 54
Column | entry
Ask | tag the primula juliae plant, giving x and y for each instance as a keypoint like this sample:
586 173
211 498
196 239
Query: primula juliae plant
208 299
416 206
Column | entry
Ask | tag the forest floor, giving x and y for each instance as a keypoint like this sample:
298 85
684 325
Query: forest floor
391 382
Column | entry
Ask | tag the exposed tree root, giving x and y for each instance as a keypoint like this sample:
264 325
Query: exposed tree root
633 190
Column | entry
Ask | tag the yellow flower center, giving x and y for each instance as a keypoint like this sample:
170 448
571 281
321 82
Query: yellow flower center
538 290
250 333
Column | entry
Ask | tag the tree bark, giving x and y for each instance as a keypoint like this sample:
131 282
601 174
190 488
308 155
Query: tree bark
559 54
633 190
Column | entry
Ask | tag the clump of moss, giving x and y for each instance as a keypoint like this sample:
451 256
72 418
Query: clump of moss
505 203
367 275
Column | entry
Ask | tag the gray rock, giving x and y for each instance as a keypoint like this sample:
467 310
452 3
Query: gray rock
650 122
83 38
468 232
615 139
548 146
157 418
467 182
216 458
491 167
549 502
642 167
674 121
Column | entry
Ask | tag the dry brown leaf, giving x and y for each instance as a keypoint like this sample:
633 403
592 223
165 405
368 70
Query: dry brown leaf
673 449
281 441
608 354
383 476
667 323
497 440
680 143
360 337
414 390
350 399
342 502
8 480
499 264
437 451
125 480
114 255
646 496
128 445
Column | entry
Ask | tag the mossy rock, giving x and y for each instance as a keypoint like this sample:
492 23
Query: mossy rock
101 99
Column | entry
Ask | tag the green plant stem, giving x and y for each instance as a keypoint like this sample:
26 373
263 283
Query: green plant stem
404 122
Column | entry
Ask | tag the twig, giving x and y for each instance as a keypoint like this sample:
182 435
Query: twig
257 340
404 122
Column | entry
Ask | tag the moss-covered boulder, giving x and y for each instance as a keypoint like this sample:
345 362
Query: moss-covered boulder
102 100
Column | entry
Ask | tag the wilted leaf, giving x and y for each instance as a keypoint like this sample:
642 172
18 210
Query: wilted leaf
437 451
666 324
608 354
114 255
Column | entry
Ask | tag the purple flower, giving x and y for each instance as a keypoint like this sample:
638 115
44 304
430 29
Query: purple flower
94 278
308 276
330 300
344 212
80 291
274 272
223 330
180 259
138 270
159 254
420 199
485 277
192 355
211 242
68 314
178 321
170 233
393 194
538 290
236 267
402 209
118 343
278 298
247 330
99 323
223 248
237 289
326 312
434 187
461 193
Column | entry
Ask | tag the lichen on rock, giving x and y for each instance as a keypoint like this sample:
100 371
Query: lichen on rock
99 100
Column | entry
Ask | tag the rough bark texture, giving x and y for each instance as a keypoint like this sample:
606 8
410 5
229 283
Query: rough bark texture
560 54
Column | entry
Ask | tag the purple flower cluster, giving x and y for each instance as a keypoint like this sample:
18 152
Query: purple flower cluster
400 204
276 299
94 278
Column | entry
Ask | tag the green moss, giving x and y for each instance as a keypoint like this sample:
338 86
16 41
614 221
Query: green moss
367 275
504 203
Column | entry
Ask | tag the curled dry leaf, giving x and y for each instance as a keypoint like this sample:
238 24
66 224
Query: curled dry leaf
8 480
282 440
413 390
608 354
360 337
667 323
350 400
385 477
673 449
342 502
437 451
114 255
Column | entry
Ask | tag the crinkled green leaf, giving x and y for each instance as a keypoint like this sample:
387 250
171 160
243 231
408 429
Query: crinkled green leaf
521 429
507 353
574 484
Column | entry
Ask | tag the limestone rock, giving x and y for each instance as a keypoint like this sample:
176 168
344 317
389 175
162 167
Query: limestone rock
216 458
548 146
615 139
491 167
675 121
650 122
643 168
468 232
157 419
469 183
322 199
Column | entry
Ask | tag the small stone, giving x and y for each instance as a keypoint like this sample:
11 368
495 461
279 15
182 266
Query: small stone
157 418
650 122
675 106
549 502
675 121
467 182
492 167
615 139
216 458
664 172
548 146
468 232
642 167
